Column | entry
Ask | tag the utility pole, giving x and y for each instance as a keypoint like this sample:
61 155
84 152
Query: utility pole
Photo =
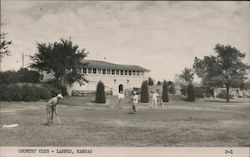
22 60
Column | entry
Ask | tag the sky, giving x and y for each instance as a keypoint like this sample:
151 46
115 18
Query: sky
163 37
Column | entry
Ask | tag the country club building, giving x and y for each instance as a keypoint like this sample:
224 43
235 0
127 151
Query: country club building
116 77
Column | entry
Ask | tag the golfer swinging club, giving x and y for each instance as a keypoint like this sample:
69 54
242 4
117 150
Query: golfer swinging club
51 108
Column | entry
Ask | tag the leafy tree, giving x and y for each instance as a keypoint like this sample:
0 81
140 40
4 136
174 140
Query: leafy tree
100 96
150 81
4 46
165 97
62 59
187 76
226 69
190 93
144 92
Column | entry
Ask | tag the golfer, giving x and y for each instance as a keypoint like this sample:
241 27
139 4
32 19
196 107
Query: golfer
121 97
134 101
51 108
155 99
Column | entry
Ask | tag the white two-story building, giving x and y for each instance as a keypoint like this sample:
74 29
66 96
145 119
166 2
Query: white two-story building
116 77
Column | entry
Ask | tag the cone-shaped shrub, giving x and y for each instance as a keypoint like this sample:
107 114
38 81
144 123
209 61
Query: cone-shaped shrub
165 97
190 93
100 93
144 92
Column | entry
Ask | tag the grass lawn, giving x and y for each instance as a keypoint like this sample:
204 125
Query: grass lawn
205 123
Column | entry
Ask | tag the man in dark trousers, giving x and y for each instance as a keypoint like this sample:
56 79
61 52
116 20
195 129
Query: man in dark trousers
51 108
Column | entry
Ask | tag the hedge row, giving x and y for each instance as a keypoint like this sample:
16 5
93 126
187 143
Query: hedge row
27 92
22 75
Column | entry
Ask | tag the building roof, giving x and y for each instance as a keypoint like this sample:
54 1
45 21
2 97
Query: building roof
108 65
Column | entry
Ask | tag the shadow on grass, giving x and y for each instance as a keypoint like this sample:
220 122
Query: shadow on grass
223 101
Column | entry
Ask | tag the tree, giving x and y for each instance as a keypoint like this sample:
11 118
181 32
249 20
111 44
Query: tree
226 69
100 96
144 92
158 83
150 81
62 59
190 93
165 97
4 46
187 76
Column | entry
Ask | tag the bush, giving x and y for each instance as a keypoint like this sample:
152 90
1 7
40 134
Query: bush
158 83
150 81
183 90
58 88
23 75
223 95
190 93
26 75
100 96
172 89
199 92
25 92
165 97
144 92
5 93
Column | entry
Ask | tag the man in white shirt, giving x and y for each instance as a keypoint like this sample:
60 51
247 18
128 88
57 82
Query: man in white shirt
121 97
134 101
155 99
51 108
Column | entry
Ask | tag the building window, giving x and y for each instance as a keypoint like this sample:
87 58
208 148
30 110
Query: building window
113 71
94 71
117 72
89 71
121 72
108 71
138 73
129 72
133 72
84 70
104 71
142 73
126 72
99 71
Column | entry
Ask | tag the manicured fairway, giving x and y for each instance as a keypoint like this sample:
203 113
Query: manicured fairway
84 123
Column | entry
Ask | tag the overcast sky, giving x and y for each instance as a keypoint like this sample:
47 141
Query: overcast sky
161 36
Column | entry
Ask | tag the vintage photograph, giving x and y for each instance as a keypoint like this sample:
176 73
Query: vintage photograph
125 74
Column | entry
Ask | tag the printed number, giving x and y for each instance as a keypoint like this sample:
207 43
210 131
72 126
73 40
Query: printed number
229 151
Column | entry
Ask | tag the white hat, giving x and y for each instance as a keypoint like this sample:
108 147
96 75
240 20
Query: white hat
59 96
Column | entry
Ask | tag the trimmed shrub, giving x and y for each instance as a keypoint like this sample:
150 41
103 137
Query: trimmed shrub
165 97
172 89
144 92
23 75
26 75
25 92
158 83
100 96
5 93
150 81
190 93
